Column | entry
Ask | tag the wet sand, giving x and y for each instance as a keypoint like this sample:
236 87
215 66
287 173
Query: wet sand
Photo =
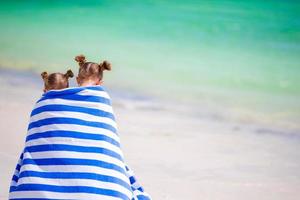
174 154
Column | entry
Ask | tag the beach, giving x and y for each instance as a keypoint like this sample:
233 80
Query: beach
174 153
206 93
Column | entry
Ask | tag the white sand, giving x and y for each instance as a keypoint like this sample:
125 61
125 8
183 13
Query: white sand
175 155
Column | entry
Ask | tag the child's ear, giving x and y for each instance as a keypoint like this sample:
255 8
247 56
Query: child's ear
99 82
44 75
78 80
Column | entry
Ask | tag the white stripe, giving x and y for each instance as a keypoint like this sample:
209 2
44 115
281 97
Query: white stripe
75 168
76 115
59 195
75 182
136 185
20 161
16 173
13 183
94 93
84 104
78 155
130 172
72 127
75 142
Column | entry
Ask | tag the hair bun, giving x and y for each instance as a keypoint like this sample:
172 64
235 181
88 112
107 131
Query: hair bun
105 65
80 59
44 75
69 74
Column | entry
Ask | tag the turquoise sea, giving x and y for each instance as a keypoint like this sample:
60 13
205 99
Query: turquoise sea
243 56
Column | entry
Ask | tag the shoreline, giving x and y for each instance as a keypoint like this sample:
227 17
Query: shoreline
137 100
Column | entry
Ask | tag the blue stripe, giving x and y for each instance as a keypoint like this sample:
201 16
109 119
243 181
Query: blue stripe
73 134
18 167
72 90
75 175
77 97
15 178
62 107
96 88
67 120
73 161
142 197
132 179
69 189
74 148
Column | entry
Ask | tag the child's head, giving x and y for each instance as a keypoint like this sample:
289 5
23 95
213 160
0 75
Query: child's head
56 81
90 73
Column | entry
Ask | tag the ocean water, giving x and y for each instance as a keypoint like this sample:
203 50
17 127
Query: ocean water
243 56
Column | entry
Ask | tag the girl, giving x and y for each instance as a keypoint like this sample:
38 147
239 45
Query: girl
91 74
56 81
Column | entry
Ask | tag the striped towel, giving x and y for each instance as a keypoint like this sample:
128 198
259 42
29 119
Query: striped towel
72 150
138 190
